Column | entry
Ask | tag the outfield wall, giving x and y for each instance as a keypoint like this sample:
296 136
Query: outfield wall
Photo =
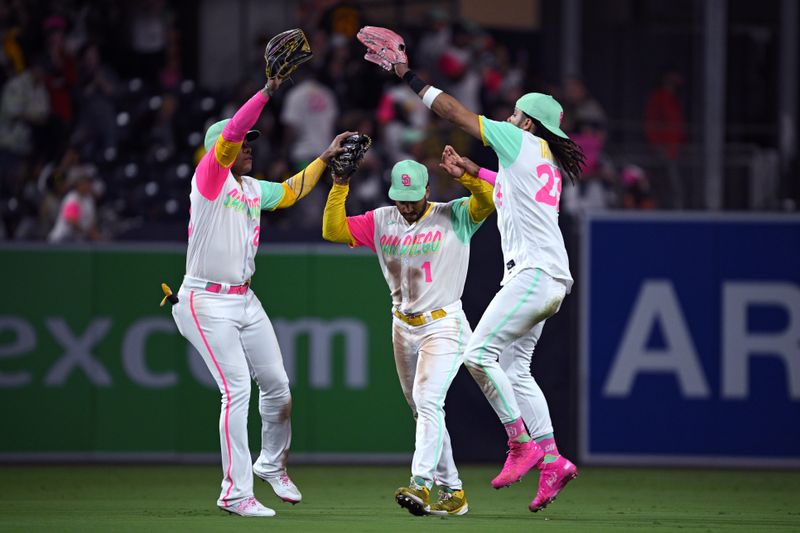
689 352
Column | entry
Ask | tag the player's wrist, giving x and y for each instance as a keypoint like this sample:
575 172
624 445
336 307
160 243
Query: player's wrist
415 82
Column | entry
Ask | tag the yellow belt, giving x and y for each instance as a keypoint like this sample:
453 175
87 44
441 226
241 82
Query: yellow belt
420 319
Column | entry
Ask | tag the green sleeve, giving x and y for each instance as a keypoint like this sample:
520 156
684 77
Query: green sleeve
503 137
271 194
463 225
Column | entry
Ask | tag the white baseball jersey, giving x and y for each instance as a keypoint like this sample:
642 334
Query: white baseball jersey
224 232
424 263
526 195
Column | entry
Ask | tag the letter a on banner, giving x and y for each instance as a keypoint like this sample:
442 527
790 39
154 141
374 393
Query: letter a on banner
656 303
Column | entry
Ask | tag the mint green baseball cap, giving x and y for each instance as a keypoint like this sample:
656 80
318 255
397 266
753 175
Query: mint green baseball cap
409 181
545 109
215 130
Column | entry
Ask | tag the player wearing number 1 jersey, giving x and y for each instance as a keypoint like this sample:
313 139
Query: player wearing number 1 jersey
533 155
221 316
423 251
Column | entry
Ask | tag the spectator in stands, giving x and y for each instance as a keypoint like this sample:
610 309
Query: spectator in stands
61 71
77 219
636 189
665 128
150 26
99 85
309 114
463 80
580 105
435 39
12 59
24 106
597 189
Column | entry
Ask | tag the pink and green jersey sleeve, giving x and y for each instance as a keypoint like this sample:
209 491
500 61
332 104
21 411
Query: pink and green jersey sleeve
214 167
362 228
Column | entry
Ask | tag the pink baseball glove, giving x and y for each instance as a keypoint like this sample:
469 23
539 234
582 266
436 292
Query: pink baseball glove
384 47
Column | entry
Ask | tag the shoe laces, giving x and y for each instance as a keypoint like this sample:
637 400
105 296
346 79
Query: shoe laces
445 495
284 479
516 449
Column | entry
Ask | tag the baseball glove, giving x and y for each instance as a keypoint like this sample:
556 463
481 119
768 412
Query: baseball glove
384 47
355 147
285 52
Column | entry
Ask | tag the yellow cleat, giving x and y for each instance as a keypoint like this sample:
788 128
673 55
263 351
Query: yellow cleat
450 503
415 498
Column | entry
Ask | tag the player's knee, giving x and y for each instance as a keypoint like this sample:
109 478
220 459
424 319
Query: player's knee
518 377
279 394
238 392
427 404
470 361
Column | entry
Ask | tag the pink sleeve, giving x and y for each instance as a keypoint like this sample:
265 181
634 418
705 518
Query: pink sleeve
487 175
245 118
72 212
362 228
211 173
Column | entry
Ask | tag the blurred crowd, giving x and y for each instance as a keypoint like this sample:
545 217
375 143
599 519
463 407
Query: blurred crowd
100 125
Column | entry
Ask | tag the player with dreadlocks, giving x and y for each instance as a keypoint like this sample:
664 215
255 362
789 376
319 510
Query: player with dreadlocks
533 152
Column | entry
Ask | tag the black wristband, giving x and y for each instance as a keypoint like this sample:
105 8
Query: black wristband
414 81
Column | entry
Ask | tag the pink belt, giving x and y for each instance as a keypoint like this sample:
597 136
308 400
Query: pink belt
234 289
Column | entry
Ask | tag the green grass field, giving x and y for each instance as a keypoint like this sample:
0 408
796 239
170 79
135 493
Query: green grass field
353 499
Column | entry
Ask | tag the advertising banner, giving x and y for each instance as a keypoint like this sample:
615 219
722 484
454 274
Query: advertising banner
691 340
91 366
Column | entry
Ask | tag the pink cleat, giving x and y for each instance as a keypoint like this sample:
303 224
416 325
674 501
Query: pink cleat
522 456
553 477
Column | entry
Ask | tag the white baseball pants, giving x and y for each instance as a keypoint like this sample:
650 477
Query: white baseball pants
527 300
236 340
427 359
516 363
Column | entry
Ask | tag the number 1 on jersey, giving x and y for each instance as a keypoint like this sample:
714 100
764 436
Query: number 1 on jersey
426 266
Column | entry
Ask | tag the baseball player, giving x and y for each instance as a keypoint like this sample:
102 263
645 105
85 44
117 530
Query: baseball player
222 317
423 251
533 154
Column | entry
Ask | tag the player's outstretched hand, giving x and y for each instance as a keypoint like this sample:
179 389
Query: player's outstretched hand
354 148
384 47
336 147
455 165
273 84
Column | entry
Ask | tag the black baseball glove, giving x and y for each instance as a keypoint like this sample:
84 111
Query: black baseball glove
347 162
285 52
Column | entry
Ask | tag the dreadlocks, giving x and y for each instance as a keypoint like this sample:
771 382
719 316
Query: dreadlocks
568 154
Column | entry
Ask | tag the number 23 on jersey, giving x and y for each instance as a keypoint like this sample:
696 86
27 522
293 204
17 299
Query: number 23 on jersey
551 192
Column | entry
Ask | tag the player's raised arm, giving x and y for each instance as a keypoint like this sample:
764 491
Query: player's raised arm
336 225
288 193
388 49
223 142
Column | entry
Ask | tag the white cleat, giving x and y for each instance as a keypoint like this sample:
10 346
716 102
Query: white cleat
284 488
248 507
